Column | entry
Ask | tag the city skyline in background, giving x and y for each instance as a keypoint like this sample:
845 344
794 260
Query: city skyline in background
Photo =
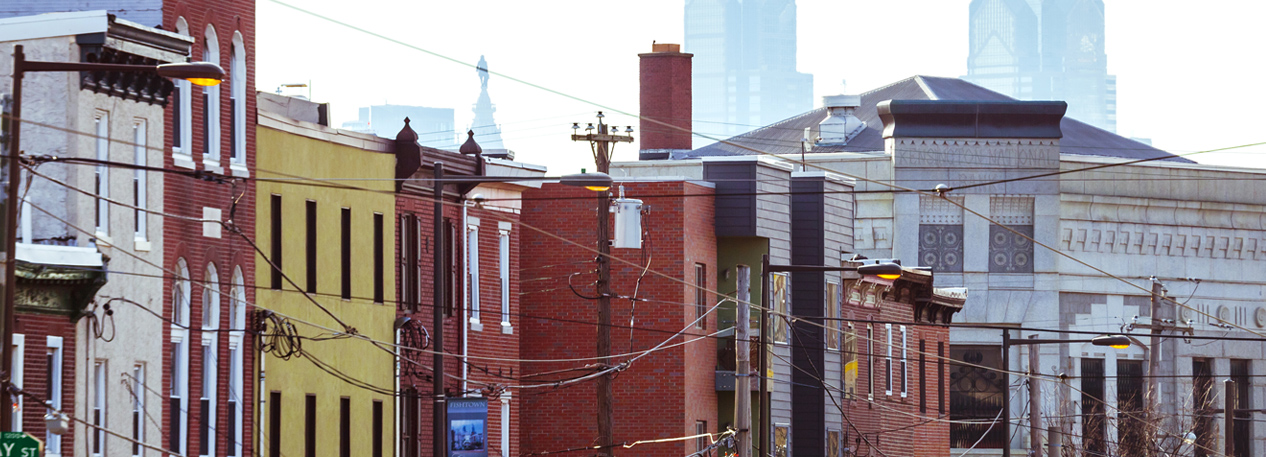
583 65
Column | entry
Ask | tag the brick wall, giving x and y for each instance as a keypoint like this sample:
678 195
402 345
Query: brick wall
36 329
188 197
896 425
490 341
660 395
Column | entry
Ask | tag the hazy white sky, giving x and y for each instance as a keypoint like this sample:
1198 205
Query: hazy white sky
1187 74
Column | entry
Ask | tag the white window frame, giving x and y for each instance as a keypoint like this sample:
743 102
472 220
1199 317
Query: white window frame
905 363
182 156
833 314
237 326
210 356
97 442
870 361
53 442
237 91
138 408
888 361
102 175
782 300
181 290
19 351
472 272
505 423
211 156
503 261
140 197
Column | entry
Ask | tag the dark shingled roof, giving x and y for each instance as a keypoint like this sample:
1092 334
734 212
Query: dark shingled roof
784 137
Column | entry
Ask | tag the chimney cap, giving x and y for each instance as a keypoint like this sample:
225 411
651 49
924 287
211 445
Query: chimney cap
665 47
842 101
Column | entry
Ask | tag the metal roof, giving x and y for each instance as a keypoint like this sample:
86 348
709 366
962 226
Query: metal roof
784 137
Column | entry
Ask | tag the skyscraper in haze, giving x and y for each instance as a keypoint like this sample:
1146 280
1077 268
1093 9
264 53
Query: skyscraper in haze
1044 50
744 65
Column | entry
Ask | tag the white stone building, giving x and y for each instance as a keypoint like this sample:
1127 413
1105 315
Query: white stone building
1103 234
107 363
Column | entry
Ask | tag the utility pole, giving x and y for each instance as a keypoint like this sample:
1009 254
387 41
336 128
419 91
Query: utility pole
602 144
1153 356
743 366
439 435
1035 404
763 368
1006 397
1229 394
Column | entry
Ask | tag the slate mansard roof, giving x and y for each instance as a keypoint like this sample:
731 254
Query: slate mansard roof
784 137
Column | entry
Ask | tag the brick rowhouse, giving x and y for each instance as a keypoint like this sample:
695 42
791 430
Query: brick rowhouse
199 138
665 99
490 341
662 395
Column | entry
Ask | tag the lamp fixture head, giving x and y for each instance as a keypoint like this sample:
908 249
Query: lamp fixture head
885 270
197 73
1112 341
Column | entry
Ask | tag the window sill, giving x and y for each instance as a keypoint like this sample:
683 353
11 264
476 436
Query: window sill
239 169
182 160
506 328
213 166
142 245
103 240
475 326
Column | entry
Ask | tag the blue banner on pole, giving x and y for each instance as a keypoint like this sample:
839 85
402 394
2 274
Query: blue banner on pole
467 427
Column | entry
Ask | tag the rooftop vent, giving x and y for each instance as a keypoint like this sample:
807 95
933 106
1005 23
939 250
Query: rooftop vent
840 125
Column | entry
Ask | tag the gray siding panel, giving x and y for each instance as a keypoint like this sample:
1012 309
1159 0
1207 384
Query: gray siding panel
735 214
144 12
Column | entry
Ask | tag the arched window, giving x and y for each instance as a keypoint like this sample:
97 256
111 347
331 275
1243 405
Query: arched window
178 392
211 106
237 323
237 106
210 362
182 114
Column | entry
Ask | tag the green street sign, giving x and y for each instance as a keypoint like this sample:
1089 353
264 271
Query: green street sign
20 444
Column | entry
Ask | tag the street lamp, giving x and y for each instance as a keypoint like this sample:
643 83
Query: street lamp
1035 420
592 181
882 270
200 73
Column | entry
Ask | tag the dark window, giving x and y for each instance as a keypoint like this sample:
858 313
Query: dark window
232 440
377 430
1241 374
410 433
942 377
206 123
923 377
232 125
1203 394
379 266
309 426
274 424
311 207
345 427
1132 429
275 214
977 393
452 264
701 295
347 253
1092 406
178 121
870 362
175 400
701 442
410 262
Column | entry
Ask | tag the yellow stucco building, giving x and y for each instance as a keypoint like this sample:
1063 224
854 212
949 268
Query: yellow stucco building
336 244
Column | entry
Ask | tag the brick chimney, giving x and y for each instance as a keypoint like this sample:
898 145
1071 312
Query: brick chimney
665 86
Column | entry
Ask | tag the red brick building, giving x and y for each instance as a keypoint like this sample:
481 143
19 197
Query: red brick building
666 394
894 337
482 322
211 396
